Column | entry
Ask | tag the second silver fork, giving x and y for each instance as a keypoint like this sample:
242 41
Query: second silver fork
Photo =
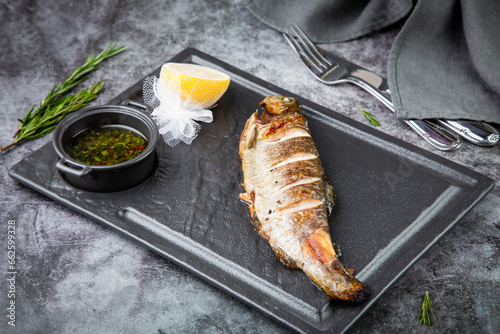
332 69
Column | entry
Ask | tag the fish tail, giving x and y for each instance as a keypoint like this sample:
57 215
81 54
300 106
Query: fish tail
335 279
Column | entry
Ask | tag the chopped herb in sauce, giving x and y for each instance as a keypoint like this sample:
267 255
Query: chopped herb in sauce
106 146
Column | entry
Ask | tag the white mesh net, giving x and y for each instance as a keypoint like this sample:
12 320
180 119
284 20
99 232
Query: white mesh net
174 114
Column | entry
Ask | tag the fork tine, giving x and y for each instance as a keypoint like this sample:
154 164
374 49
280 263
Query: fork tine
301 52
306 50
314 49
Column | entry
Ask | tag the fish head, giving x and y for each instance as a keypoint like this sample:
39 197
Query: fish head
279 105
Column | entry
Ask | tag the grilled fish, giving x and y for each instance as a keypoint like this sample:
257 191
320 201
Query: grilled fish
290 197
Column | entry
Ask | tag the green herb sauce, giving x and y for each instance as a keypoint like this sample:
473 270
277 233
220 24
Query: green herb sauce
106 146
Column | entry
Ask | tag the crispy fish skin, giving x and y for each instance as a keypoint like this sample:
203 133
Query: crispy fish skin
290 197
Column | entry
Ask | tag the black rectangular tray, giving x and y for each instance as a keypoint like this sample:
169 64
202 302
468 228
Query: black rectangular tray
394 201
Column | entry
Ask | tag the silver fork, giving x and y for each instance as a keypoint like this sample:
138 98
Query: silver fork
331 70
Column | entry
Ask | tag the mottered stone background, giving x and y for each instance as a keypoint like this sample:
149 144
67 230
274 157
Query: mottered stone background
76 276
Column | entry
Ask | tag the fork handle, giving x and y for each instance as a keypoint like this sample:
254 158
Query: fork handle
437 136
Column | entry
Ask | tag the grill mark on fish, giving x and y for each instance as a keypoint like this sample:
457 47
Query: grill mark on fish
301 205
306 180
290 134
290 197
295 158
306 166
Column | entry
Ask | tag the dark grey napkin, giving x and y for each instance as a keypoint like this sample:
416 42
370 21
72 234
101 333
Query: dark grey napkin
327 21
444 63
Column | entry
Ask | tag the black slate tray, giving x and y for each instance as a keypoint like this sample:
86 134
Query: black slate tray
394 201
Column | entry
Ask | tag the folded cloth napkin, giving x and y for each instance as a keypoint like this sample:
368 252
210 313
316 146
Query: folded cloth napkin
327 21
444 62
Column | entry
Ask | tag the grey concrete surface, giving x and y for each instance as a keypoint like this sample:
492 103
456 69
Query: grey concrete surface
76 276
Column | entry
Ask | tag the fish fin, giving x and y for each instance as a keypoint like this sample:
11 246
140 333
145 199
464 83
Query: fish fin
249 134
330 196
245 197
262 234
319 245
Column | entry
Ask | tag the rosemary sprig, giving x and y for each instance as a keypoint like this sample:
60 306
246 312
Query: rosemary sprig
424 312
369 117
57 104
38 127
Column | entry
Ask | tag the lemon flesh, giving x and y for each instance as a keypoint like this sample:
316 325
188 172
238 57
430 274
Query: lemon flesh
195 84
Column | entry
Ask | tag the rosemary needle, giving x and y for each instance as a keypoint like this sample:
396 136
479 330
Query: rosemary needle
424 312
57 104
369 117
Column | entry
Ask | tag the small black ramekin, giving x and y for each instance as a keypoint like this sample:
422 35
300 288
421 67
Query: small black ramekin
112 177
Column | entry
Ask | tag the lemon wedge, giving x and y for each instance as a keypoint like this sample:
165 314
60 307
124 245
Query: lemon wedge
195 83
